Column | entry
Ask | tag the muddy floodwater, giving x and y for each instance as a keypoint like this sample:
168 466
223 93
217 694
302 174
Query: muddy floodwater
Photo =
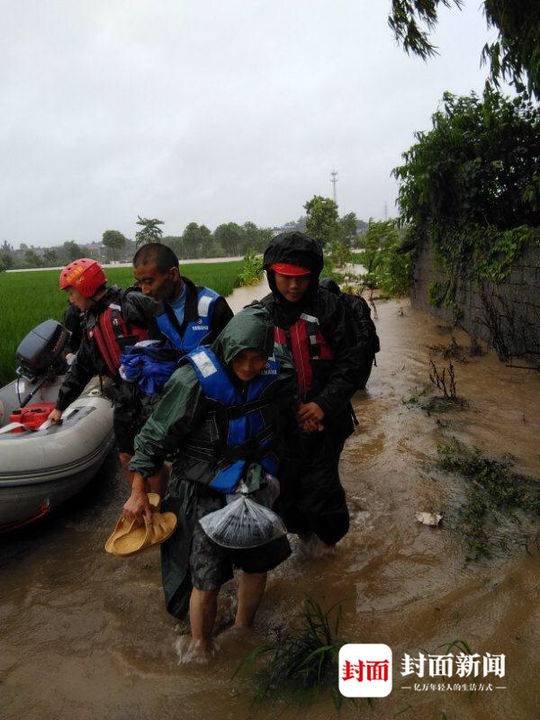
85 635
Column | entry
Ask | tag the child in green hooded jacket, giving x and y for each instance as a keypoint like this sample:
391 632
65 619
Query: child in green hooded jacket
236 383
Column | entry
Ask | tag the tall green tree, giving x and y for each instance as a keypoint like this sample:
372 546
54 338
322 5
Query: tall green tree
114 241
7 258
206 241
255 238
71 250
348 224
150 231
514 55
250 236
50 256
176 244
229 236
196 241
322 221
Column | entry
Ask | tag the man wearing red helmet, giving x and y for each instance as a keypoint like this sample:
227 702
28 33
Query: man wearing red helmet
113 320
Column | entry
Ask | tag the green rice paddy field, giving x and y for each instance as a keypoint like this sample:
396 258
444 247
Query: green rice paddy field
28 298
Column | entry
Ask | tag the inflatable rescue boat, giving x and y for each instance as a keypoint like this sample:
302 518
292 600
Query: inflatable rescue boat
41 464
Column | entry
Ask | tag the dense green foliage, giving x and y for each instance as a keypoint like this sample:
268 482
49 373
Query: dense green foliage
513 56
338 236
196 241
226 240
251 270
31 297
385 266
71 251
377 249
32 257
471 185
6 256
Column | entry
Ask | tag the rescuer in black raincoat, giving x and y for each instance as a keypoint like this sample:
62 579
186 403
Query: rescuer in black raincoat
316 326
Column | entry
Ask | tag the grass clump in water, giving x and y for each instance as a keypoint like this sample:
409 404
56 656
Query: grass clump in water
301 662
251 270
494 494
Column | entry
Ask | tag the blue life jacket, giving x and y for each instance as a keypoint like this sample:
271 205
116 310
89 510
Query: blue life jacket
249 436
194 331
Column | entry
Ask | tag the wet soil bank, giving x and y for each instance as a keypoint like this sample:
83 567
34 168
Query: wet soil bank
85 635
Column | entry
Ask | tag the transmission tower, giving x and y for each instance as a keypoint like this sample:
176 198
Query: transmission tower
333 180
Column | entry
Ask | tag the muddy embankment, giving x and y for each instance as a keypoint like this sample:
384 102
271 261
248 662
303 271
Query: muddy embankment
85 635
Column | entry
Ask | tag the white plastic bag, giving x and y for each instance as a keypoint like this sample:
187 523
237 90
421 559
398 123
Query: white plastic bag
244 523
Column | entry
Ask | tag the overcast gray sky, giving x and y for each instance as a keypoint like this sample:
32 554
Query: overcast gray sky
209 110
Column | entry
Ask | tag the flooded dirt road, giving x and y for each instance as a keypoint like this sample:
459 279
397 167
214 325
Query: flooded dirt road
85 635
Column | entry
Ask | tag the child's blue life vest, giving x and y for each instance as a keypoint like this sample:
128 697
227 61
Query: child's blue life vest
250 436
193 332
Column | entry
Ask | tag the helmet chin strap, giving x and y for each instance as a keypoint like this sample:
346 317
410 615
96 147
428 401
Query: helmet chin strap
97 297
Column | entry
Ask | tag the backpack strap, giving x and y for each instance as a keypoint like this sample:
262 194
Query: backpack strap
111 334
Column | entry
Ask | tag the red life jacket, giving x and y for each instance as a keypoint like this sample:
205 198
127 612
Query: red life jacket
306 343
112 334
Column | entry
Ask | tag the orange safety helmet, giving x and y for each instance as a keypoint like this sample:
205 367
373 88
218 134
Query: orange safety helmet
85 275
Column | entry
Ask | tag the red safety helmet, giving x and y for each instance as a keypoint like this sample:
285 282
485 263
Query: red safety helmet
85 275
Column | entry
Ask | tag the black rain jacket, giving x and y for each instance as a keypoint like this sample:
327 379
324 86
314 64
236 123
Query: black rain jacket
334 381
137 310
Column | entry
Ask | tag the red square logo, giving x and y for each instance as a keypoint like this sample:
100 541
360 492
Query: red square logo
365 670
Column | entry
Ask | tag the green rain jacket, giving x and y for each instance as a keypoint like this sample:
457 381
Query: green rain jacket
188 428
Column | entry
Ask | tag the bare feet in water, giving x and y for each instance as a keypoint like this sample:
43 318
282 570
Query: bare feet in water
195 652
311 547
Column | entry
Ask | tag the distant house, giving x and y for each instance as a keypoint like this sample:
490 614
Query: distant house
96 251
299 224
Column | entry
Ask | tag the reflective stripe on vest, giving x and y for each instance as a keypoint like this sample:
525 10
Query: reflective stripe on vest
196 331
243 427
111 334
306 343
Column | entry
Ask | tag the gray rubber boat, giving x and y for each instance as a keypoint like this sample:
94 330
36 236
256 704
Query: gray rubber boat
41 468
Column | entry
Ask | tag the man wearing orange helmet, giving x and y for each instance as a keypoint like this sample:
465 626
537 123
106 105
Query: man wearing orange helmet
113 320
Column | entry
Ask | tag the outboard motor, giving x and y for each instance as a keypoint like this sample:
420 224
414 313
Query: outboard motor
40 356
40 352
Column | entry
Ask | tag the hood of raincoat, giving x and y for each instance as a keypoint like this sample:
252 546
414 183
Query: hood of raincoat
250 329
294 248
